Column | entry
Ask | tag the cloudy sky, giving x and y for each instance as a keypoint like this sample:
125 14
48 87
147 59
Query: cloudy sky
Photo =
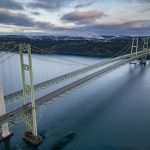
105 17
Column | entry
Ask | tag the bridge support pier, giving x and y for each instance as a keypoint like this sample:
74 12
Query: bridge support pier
6 134
143 60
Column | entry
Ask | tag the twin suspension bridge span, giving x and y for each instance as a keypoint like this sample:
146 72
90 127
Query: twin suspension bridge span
28 110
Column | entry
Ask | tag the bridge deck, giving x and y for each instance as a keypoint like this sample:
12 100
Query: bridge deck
68 75
68 87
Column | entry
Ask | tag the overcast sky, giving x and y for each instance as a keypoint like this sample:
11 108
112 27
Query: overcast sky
113 17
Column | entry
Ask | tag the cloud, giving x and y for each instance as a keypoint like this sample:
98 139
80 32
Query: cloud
141 1
85 4
58 4
35 13
11 4
19 19
144 9
88 17
48 5
137 27
44 5
136 24
133 1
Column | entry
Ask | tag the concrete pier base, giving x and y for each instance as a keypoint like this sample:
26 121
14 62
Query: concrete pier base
134 63
5 127
143 63
4 138
31 139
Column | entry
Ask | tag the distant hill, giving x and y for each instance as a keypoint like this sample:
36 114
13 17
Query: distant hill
90 45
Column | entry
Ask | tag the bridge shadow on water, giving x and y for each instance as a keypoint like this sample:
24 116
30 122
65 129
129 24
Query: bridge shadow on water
99 110
64 141
134 72
133 75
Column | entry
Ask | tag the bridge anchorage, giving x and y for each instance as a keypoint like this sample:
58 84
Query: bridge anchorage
31 136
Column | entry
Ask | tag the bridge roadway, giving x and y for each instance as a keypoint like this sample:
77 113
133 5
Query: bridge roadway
10 98
17 112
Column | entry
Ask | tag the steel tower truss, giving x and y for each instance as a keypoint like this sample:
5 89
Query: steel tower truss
28 94
135 44
145 49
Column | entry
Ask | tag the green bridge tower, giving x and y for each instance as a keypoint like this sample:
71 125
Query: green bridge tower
31 134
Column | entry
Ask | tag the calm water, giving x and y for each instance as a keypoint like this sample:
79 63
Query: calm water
109 113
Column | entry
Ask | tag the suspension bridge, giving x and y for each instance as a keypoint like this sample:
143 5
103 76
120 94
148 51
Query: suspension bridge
27 112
